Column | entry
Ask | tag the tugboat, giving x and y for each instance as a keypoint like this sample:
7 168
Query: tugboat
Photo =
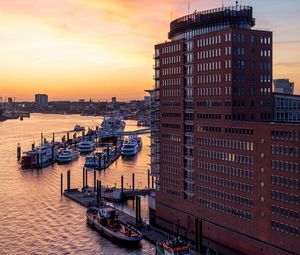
106 221
175 246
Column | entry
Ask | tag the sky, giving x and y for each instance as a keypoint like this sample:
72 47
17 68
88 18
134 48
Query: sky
71 49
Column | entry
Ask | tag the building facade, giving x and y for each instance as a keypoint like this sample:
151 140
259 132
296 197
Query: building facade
228 176
41 100
283 86
286 108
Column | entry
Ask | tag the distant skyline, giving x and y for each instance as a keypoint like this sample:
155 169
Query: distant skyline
71 49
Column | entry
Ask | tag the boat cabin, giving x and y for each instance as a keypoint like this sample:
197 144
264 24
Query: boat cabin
107 213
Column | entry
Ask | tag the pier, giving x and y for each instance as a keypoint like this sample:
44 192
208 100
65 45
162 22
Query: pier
87 199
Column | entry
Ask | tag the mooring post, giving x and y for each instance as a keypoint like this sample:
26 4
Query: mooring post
148 179
61 184
197 234
86 178
19 152
83 177
98 194
99 160
133 182
68 137
122 186
100 187
94 161
108 154
152 182
94 180
69 180
75 141
200 236
41 161
41 139
136 210
53 138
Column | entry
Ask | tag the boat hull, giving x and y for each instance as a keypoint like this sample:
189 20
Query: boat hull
105 231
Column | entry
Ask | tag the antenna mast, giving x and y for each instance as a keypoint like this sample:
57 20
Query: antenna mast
188 8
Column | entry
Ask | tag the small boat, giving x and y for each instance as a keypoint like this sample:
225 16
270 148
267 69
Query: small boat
67 156
129 148
86 146
78 128
175 246
139 141
106 221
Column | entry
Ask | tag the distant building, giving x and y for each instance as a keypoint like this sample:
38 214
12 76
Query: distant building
41 100
147 100
286 108
10 103
283 86
81 100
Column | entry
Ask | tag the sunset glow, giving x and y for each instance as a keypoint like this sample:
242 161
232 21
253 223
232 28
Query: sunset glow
72 49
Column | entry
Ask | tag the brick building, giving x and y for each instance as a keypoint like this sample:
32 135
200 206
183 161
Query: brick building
227 176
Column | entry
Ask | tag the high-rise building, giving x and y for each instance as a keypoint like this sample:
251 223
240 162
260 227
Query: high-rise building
283 86
41 100
227 176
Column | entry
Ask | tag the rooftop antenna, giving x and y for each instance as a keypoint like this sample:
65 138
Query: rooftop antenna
237 3
188 8
222 3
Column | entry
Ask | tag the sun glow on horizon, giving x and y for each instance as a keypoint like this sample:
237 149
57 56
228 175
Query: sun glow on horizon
97 49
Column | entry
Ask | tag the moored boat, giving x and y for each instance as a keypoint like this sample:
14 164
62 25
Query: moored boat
174 246
86 146
67 156
112 124
42 156
129 148
106 221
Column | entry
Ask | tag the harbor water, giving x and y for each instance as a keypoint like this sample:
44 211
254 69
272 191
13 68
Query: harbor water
34 217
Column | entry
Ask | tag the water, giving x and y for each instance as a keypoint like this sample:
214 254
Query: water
34 218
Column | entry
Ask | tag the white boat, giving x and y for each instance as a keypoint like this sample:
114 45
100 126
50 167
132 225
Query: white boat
112 124
86 146
41 156
78 128
67 156
130 148
138 140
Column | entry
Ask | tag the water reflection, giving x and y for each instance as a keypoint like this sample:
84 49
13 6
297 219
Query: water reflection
35 219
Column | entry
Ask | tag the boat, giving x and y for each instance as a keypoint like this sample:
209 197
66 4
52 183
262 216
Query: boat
78 128
41 156
112 124
86 146
129 148
67 156
138 140
106 221
94 161
174 246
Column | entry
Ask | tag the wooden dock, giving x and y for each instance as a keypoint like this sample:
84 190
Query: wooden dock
87 199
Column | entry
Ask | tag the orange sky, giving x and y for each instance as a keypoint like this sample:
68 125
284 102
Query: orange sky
73 49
